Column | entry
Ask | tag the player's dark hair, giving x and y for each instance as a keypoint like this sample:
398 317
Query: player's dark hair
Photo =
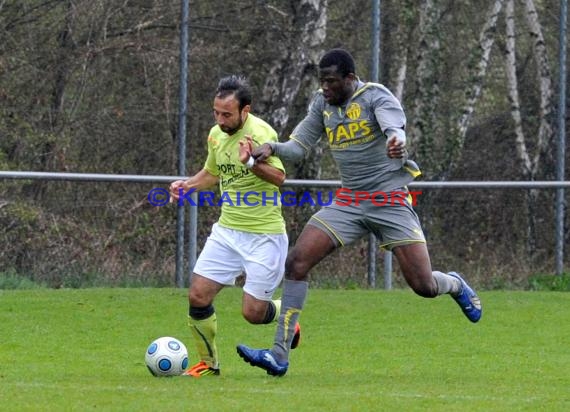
236 85
340 58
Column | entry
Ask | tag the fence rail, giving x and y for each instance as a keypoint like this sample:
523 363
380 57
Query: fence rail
123 178
162 179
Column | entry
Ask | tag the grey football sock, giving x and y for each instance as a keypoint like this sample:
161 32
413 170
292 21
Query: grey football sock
292 302
446 283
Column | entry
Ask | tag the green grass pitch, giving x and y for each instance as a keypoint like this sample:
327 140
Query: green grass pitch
361 350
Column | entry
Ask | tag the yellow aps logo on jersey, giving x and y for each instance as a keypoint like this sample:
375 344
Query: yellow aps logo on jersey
353 111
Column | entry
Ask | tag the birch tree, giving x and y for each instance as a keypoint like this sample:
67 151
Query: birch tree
544 80
427 87
293 78
473 91
529 162
299 51
512 84
402 35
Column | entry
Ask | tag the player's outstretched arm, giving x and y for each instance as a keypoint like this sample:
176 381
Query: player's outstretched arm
201 180
262 152
291 151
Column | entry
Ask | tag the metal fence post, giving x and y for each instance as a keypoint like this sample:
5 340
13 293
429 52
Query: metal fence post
561 153
182 108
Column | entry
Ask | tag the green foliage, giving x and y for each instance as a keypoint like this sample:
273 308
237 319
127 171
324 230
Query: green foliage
550 282
24 213
11 280
3 161
66 252
360 351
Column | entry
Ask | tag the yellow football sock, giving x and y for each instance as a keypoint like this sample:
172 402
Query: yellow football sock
204 332
277 303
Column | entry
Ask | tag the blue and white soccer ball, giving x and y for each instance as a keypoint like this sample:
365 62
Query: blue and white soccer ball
166 356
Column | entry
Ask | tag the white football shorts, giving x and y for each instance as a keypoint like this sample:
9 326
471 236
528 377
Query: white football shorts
228 253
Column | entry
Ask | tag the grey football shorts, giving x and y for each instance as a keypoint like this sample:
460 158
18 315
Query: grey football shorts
394 223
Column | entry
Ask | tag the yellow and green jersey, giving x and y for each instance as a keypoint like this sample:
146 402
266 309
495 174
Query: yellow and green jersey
249 203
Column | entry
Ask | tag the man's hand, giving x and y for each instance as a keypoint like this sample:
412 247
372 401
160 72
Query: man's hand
174 189
261 153
395 149
245 149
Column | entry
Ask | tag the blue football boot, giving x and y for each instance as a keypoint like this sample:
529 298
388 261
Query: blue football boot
468 300
264 359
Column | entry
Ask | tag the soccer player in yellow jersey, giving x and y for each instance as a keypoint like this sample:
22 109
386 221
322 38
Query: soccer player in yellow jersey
250 234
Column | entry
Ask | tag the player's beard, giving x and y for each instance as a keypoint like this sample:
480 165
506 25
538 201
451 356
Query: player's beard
339 98
232 130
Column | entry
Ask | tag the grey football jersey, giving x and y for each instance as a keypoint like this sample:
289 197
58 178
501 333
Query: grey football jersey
357 133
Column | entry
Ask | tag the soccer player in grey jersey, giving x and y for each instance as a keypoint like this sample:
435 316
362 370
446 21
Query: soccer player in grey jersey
365 127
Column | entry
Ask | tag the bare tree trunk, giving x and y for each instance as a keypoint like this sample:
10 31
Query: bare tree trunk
545 81
424 124
530 164
486 40
48 157
403 37
544 136
401 77
300 53
291 80
427 87
522 151
512 83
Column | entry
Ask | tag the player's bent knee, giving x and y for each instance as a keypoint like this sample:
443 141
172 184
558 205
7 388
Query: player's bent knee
198 299
254 317
296 269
